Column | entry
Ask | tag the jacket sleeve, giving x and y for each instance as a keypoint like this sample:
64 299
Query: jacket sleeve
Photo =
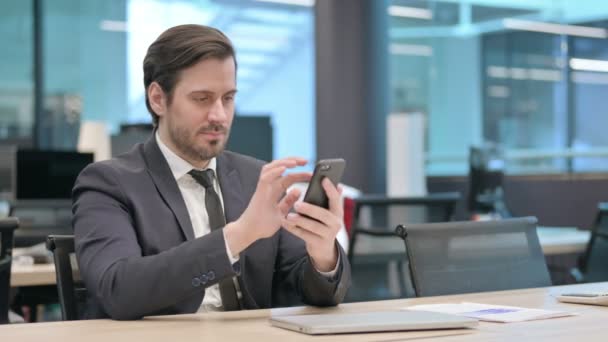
127 284
296 272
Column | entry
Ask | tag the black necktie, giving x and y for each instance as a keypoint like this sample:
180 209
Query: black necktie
216 221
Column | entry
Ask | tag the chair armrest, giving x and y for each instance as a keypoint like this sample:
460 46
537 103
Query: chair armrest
374 232
5 263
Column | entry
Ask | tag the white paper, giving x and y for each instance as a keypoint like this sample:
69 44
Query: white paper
491 313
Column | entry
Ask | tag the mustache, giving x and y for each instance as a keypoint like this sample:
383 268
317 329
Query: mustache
213 128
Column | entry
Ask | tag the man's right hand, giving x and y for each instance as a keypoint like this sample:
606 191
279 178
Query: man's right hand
268 206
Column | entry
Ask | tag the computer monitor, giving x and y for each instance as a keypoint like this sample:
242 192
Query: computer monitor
44 175
486 176
252 135
7 167
129 135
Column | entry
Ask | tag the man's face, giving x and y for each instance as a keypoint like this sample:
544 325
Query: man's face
197 121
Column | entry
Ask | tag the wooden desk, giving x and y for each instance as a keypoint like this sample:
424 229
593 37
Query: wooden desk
32 275
589 325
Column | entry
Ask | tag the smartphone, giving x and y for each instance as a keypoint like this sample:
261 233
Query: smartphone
325 168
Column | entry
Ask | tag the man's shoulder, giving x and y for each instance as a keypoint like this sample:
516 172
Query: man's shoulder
131 162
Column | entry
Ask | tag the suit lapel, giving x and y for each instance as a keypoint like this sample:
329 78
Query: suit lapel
232 191
167 186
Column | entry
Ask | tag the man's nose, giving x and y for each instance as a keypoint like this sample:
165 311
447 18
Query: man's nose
217 111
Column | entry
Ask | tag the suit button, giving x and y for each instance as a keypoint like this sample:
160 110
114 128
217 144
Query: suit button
204 279
211 275
196 282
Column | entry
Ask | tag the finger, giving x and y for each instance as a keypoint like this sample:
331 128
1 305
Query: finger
282 184
288 201
310 225
335 203
318 213
303 234
269 176
289 162
273 166
299 160
295 177
269 170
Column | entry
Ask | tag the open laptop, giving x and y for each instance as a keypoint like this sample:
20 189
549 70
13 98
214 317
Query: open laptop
371 322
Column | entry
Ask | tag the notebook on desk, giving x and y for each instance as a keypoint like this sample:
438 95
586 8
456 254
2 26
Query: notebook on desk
371 322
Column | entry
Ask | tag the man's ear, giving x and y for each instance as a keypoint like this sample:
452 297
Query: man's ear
157 99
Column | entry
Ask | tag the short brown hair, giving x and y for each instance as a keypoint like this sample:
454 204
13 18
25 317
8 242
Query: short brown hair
179 48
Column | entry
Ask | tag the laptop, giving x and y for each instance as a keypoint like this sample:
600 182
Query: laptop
371 322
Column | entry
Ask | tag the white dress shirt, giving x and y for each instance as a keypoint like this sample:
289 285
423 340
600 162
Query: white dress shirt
194 197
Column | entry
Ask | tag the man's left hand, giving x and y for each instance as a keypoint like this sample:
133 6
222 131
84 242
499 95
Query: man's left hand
318 227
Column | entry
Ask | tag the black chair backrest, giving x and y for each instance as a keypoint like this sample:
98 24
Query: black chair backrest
71 293
383 213
7 228
593 263
464 257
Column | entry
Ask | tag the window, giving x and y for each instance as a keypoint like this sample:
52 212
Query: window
529 76
16 83
93 52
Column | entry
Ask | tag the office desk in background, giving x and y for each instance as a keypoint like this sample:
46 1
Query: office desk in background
554 241
589 325
563 240
32 275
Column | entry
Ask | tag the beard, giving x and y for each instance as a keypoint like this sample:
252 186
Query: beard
184 139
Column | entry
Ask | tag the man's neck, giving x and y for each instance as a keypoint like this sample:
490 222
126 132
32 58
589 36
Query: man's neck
197 163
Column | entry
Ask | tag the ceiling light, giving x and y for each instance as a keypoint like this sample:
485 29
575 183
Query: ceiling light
304 3
410 12
589 64
411 49
571 30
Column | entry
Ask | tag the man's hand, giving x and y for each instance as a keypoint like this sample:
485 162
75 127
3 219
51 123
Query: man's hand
318 227
268 207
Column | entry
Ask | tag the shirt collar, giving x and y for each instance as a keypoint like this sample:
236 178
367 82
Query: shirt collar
179 167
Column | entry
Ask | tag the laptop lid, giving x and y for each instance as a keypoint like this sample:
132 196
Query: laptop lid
371 322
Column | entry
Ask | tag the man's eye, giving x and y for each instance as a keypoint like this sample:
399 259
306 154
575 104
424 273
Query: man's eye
202 99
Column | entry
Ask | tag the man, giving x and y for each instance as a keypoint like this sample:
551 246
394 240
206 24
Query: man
178 225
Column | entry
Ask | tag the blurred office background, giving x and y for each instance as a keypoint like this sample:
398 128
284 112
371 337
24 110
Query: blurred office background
477 70
321 79
326 79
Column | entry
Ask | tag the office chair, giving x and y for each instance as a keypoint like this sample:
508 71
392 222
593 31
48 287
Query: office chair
465 257
592 265
72 293
372 229
7 228
437 207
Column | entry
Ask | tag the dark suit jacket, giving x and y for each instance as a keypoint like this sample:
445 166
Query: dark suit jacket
138 256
